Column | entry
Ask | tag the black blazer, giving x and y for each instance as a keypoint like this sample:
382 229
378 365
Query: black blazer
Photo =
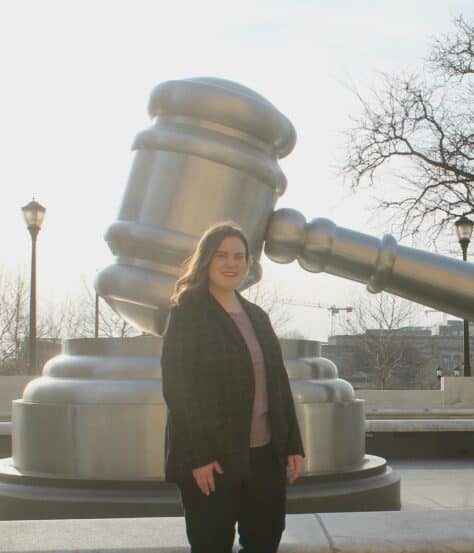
209 387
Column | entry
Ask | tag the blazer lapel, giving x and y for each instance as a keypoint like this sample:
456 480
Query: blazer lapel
227 323
224 319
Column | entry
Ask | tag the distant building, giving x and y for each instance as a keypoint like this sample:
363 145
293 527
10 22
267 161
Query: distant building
442 347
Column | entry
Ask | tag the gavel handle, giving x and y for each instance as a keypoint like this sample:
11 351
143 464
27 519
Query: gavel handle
434 280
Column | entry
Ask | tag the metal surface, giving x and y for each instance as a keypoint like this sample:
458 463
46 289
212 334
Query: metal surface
211 155
331 419
90 433
441 282
34 230
28 496
97 414
33 213
467 354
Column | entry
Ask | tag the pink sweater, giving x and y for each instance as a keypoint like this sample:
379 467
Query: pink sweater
260 433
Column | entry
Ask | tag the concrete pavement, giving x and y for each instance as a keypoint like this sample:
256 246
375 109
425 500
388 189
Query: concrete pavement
432 484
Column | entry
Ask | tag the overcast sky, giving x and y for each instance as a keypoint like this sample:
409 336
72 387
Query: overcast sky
75 83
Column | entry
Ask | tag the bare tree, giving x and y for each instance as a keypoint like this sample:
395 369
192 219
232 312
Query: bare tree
379 311
13 319
112 325
269 298
421 128
454 55
72 317
14 322
380 343
80 313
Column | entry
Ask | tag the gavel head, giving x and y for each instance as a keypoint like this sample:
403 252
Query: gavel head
211 155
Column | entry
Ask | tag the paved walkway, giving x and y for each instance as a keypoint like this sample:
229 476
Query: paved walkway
437 496
436 484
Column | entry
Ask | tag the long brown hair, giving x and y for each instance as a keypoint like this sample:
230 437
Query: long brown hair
194 277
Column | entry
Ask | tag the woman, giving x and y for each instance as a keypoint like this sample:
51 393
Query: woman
232 429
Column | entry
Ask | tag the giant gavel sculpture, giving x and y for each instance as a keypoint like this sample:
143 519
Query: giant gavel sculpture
212 155
98 414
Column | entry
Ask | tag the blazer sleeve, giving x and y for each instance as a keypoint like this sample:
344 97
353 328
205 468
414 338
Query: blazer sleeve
295 443
178 365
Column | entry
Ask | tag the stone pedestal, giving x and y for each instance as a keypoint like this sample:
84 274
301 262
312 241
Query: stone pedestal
89 439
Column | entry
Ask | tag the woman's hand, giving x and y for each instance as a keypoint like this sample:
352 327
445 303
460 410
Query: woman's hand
295 464
204 477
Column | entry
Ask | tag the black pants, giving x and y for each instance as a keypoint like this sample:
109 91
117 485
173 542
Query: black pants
257 505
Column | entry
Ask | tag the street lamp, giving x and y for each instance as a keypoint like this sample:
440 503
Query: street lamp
96 316
34 215
464 232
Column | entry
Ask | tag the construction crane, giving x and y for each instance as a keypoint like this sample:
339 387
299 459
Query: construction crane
333 309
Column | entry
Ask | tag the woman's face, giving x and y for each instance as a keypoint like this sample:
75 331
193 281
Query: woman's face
228 266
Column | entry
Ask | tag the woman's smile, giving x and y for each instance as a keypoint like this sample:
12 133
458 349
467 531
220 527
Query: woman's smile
228 266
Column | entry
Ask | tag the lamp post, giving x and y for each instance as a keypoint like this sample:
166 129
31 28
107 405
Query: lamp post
464 232
96 316
34 214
